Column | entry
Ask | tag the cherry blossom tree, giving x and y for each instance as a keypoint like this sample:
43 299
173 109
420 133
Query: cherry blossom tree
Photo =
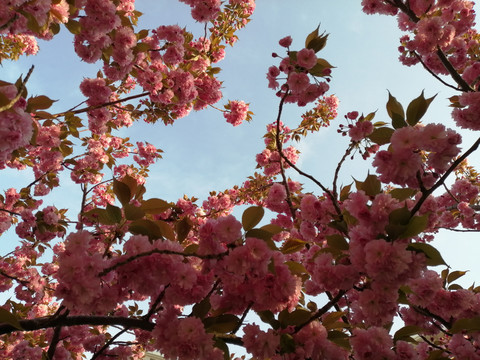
322 277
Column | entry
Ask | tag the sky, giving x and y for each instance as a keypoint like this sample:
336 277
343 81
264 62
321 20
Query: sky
203 153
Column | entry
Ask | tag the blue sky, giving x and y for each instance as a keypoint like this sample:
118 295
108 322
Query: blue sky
203 152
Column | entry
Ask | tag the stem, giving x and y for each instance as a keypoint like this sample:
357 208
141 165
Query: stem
84 200
153 308
337 170
244 315
157 251
458 230
453 73
427 193
464 86
108 343
88 108
282 156
13 213
320 312
328 192
419 58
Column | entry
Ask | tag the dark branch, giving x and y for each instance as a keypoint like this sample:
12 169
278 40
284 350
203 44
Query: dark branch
441 181
83 110
320 312
93 320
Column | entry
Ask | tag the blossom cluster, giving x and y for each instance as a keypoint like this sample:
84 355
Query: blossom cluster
326 273
403 163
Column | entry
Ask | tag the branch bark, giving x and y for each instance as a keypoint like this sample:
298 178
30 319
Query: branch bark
52 322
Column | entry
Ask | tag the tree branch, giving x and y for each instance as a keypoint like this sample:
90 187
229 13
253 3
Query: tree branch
320 312
88 108
51 322
452 167
337 170
453 72
280 152
419 58
157 251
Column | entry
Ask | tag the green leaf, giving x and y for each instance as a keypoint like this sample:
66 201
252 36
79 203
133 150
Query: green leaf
345 192
417 108
122 192
272 229
296 268
339 338
319 68
455 287
471 324
292 246
394 107
312 36
369 116
133 212
182 228
222 345
7 317
224 323
332 318
296 317
166 229
73 26
437 355
201 309
371 186
115 213
142 34
415 226
433 256
252 216
455 275
155 206
398 121
403 194
381 136
262 235
399 216
41 102
316 42
398 221
102 216
268 318
147 228
406 332
337 241
287 344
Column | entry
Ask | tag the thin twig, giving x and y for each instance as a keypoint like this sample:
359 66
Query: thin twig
88 108
419 58
458 230
153 308
464 86
280 152
452 167
337 170
56 334
244 315
10 212
157 251
320 312
108 343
